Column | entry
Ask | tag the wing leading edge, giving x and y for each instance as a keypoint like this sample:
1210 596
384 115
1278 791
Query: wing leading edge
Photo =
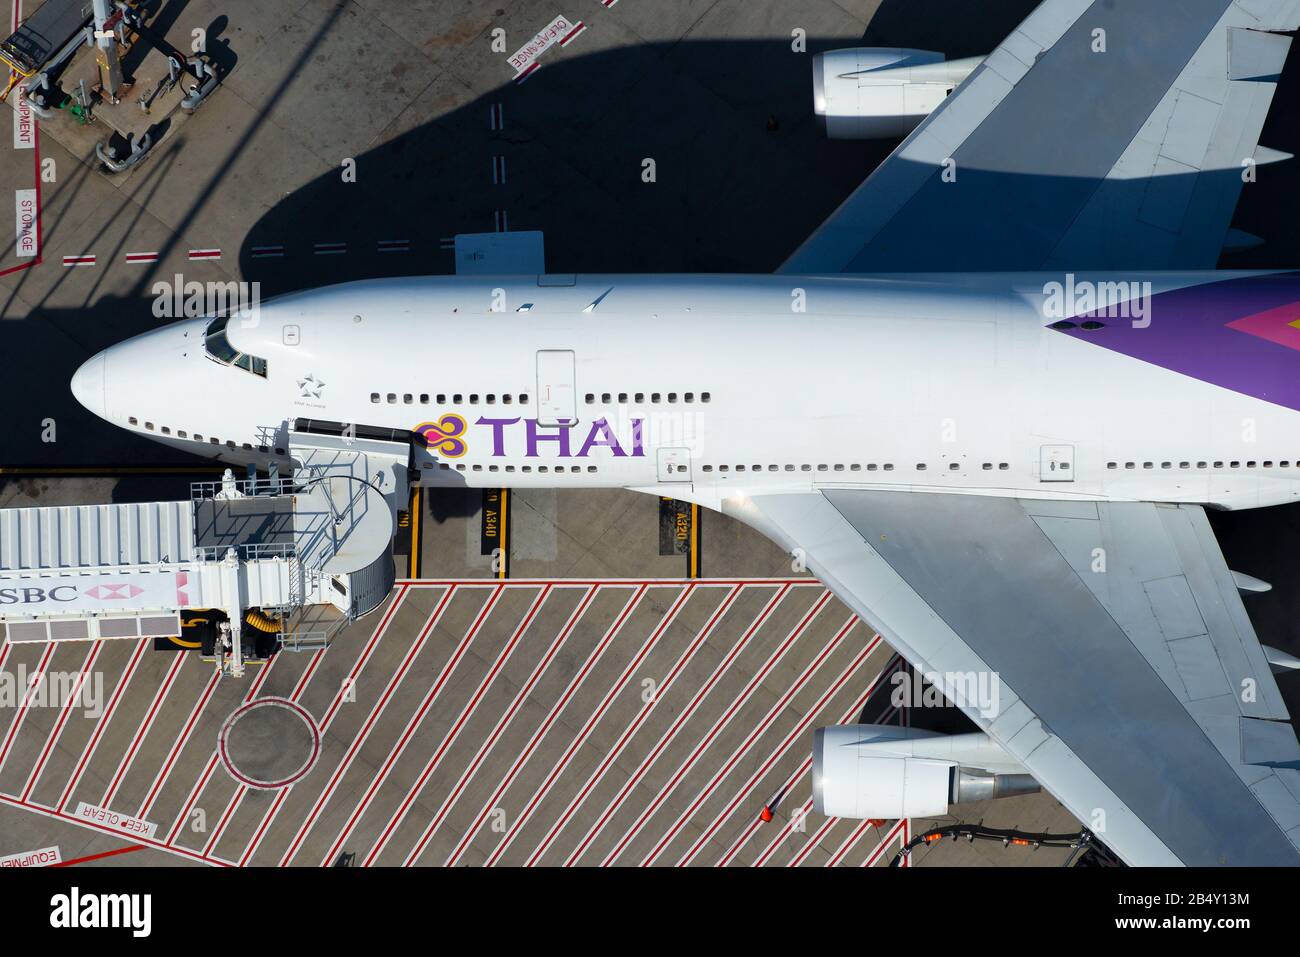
1099 135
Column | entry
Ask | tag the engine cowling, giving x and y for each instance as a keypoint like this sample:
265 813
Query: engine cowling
887 772
867 93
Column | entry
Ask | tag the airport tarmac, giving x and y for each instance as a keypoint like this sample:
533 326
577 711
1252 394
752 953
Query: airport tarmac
637 681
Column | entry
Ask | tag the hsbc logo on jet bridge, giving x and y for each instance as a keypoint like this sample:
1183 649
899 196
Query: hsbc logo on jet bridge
38 596
449 436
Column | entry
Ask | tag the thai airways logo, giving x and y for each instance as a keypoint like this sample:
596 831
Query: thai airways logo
445 435
119 591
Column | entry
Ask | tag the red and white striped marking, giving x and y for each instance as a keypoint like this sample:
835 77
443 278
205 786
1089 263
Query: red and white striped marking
21 715
393 246
271 251
665 739
678 666
66 710
211 766
799 818
526 72
575 684
89 750
608 3
381 704
496 117
197 254
760 728
79 260
141 732
142 257
573 34
488 743
339 696
591 722
731 711
794 735
181 740
450 737
330 249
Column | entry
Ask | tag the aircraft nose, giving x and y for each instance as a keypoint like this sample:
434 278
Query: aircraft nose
90 384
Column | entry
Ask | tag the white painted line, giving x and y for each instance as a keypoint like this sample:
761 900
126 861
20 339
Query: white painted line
667 737
186 730
267 252
143 731
376 712
574 685
450 737
760 728
330 249
601 710
66 710
255 841
205 254
88 752
488 743
142 257
723 721
795 734
78 260
573 34
20 716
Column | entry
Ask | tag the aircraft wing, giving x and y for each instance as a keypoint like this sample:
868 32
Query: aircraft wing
1131 683
1098 135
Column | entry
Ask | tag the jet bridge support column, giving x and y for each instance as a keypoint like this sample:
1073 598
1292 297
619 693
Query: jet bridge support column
230 661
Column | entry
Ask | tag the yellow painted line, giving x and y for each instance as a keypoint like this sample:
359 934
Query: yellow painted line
182 643
503 509
694 562
417 500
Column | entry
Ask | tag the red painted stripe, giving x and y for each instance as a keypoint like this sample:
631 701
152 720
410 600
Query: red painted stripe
93 743
377 711
430 696
667 737
488 743
100 856
574 684
65 711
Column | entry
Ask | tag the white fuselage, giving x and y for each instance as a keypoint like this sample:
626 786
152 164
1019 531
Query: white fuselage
704 387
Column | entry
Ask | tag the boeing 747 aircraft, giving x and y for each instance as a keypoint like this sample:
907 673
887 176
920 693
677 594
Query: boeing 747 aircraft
987 403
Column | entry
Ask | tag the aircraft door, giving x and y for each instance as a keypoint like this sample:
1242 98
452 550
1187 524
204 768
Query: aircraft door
674 465
1056 463
556 390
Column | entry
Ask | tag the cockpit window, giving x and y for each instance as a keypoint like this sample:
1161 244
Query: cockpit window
219 348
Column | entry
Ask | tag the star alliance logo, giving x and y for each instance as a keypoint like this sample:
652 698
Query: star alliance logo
311 387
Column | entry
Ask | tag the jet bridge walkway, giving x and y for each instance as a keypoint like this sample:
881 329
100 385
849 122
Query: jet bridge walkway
305 555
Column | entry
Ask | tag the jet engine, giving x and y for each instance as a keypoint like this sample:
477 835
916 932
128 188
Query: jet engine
887 772
880 92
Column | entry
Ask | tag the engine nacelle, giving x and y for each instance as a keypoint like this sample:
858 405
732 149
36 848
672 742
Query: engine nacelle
887 772
869 93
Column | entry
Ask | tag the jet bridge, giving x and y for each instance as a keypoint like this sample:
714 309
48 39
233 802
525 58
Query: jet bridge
300 556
